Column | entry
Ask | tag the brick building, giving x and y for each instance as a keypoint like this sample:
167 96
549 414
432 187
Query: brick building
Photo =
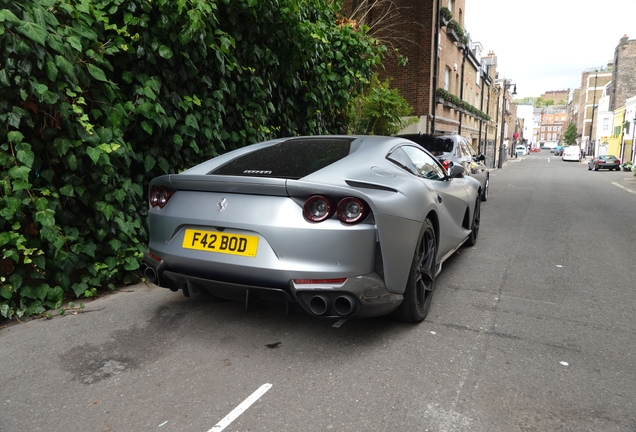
623 77
593 81
451 92
554 119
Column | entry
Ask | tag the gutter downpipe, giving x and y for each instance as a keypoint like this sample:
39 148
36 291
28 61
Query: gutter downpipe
494 157
435 67
481 107
461 89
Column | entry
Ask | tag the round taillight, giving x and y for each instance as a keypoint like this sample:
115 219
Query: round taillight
317 208
163 197
153 197
159 196
351 210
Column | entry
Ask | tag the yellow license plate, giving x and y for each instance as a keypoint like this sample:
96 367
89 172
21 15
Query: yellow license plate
214 241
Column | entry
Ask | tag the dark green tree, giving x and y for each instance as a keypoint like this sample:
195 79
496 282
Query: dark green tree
570 134
380 110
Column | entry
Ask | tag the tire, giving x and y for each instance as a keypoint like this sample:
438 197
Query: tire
421 281
484 193
474 226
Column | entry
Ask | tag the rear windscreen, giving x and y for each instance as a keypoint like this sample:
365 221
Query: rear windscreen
292 159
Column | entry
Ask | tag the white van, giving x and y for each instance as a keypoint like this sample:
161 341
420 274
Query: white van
571 153
521 150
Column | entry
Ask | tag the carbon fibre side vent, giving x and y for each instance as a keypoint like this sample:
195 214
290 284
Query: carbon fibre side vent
369 186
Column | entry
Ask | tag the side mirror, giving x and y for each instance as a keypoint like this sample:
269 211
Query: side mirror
456 171
481 157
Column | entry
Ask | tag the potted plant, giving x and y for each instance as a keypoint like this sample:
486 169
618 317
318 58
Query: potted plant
445 16
627 166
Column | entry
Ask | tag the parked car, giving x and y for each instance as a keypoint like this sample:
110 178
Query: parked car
558 151
344 226
571 153
609 162
521 150
456 150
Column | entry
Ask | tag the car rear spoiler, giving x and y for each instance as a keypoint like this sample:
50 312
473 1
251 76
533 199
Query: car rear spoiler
225 184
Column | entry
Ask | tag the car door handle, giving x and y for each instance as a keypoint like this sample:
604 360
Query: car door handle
439 199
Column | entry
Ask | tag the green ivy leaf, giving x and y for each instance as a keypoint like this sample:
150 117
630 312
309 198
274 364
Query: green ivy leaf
165 52
108 211
89 249
15 137
149 163
119 195
94 153
5 237
131 264
20 172
163 164
147 127
96 72
55 42
33 31
62 145
41 204
7 15
75 43
21 185
191 121
46 218
67 190
24 154
66 67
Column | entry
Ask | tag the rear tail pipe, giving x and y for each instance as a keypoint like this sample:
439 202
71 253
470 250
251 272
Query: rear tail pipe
319 304
344 305
150 275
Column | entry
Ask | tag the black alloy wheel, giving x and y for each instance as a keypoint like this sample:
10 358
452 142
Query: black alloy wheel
421 281
474 227
484 194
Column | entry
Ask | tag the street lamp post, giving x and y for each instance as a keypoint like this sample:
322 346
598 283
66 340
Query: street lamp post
506 86
593 109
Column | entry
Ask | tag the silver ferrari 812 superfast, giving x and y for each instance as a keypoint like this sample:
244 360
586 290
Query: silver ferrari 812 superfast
344 226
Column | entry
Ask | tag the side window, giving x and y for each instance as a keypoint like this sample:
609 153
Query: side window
401 159
426 165
468 150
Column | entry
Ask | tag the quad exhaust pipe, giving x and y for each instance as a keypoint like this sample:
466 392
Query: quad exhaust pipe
148 273
344 305
321 304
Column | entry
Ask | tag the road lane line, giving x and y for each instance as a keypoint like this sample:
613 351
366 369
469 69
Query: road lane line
623 187
339 323
241 408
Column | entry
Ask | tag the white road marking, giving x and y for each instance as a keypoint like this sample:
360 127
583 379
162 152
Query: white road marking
339 323
623 187
241 408
548 159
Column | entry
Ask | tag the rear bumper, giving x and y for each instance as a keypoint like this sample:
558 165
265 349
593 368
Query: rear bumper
360 296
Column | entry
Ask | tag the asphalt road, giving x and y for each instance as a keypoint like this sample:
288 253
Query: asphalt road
533 329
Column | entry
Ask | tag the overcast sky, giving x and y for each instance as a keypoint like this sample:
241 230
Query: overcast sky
544 45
